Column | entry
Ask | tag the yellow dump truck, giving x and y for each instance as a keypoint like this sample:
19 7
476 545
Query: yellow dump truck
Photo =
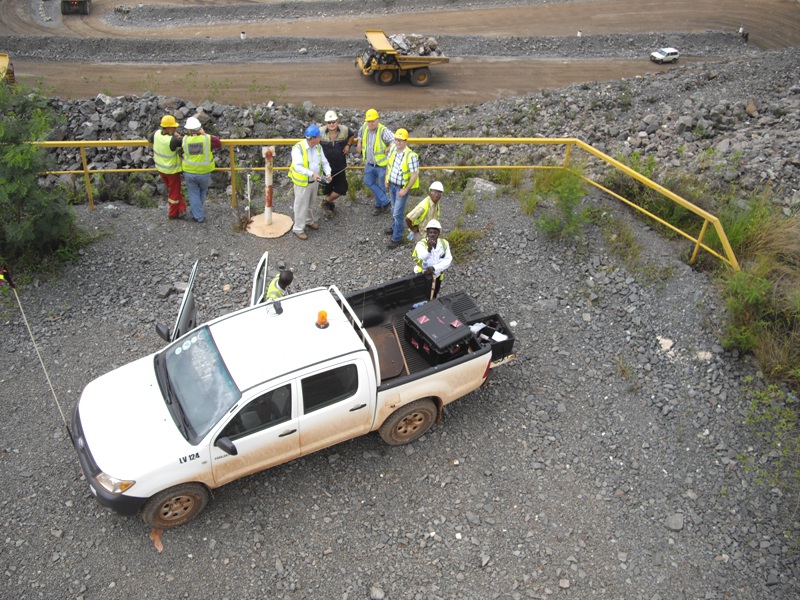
386 65
6 69
76 7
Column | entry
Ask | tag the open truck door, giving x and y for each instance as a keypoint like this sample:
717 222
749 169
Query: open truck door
260 281
187 313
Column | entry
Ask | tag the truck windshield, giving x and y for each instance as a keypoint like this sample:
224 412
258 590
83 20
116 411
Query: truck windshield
201 382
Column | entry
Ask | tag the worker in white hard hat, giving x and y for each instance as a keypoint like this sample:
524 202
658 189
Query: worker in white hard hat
309 167
432 255
430 208
336 141
198 164
166 145
402 176
374 141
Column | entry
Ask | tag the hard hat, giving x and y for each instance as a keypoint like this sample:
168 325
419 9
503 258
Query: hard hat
331 116
437 186
401 134
193 124
372 115
168 121
434 224
313 131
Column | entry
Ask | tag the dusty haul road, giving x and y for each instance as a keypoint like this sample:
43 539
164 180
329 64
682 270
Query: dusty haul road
467 80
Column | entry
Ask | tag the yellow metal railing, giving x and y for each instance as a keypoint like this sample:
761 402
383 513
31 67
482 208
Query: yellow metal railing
727 256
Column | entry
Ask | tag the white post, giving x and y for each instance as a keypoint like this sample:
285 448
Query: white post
268 152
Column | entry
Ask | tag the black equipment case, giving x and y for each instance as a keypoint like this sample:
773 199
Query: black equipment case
437 333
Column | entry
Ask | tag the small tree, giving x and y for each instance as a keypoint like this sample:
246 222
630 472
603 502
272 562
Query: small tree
34 221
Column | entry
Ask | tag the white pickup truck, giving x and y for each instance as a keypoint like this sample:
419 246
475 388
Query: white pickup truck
275 381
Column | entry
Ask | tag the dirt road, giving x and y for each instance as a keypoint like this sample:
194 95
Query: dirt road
771 24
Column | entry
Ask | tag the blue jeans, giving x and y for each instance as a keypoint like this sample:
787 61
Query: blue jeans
197 188
398 212
374 177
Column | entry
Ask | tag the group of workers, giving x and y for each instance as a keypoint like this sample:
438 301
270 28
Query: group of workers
391 172
191 155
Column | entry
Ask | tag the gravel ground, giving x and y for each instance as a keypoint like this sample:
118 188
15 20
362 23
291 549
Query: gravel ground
601 463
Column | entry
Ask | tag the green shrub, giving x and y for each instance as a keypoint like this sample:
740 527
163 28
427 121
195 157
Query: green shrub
772 414
462 242
528 201
35 222
565 220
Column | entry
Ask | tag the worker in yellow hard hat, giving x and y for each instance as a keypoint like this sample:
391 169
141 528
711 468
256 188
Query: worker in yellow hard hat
166 146
374 141
402 176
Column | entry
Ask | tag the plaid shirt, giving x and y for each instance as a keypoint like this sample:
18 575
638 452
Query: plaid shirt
396 174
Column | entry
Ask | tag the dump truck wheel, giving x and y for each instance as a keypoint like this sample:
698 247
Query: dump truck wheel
85 7
408 423
385 77
175 506
421 77
64 7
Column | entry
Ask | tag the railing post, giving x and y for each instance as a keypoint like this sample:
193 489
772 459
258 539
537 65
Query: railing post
233 176
699 241
86 178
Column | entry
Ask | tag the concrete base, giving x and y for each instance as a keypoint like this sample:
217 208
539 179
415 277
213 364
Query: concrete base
281 224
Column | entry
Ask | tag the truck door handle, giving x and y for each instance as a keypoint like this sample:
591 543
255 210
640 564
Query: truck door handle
355 408
288 433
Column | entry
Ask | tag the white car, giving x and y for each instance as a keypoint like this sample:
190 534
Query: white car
665 55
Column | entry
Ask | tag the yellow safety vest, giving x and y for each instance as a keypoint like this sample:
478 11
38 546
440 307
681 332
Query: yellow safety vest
197 156
274 292
167 160
407 154
426 208
296 176
378 149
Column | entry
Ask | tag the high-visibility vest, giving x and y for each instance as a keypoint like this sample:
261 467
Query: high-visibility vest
167 160
296 176
274 291
197 156
426 208
378 149
407 154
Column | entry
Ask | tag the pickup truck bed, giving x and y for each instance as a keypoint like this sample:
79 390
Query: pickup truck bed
382 310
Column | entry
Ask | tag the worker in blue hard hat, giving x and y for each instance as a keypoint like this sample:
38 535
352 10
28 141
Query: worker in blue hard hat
309 167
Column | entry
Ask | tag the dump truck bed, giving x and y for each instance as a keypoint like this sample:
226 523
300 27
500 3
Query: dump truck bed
381 43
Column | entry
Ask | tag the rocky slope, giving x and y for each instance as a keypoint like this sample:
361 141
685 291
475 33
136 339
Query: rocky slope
737 120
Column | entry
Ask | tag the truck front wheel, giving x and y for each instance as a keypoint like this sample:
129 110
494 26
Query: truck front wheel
175 506
408 423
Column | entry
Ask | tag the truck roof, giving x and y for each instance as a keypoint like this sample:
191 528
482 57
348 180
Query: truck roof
258 344
379 41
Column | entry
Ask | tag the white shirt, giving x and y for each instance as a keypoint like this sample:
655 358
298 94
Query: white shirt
439 259
315 157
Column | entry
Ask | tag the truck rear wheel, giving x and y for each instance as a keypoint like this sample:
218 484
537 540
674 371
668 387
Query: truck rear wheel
408 423
385 77
175 506
85 7
421 77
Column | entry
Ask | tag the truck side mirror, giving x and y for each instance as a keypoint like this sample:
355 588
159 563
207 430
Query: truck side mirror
226 445
162 331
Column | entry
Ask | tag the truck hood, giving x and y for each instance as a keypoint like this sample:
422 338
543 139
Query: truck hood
126 424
